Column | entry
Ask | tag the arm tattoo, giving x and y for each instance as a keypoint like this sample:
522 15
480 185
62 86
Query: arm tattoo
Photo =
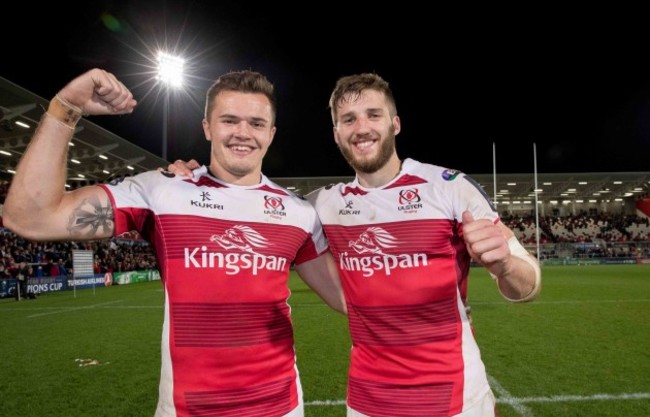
87 219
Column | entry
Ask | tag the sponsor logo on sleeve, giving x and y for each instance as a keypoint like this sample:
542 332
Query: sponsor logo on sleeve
450 174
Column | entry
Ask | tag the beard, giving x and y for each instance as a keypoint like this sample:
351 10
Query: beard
373 164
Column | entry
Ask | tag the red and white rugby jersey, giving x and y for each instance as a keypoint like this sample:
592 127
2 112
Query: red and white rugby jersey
224 253
404 266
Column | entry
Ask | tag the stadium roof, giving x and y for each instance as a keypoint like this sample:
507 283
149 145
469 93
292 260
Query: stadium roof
102 155
520 187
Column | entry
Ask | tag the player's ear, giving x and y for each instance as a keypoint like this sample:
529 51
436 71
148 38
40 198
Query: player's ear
272 136
337 137
397 124
206 130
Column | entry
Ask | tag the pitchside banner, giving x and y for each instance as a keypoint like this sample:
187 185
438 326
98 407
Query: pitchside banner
593 261
34 285
96 280
132 277
47 284
43 285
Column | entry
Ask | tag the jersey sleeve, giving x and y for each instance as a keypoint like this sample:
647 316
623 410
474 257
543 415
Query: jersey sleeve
130 199
469 195
316 244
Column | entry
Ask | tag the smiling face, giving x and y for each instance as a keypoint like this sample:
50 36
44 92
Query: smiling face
240 127
365 130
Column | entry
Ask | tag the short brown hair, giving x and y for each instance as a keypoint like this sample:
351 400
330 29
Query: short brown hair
350 88
245 81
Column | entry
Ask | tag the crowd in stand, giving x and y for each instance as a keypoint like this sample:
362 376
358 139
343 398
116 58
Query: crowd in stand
33 259
581 228
585 236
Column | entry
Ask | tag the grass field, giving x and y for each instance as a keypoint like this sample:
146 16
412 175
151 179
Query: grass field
582 349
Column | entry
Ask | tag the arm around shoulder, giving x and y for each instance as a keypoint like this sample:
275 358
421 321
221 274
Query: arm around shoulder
322 276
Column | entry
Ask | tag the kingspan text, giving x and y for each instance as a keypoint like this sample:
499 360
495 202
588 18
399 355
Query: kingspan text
233 263
369 264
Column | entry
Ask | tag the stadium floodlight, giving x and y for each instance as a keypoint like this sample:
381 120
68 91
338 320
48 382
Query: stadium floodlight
170 70
170 74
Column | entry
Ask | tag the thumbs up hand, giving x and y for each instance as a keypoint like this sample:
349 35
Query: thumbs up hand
486 243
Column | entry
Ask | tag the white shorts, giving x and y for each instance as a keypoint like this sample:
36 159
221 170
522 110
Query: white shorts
484 408
297 412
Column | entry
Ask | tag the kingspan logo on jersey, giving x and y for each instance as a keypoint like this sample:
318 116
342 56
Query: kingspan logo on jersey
371 245
246 240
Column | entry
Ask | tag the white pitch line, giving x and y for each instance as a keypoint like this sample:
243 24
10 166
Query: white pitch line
518 401
137 307
326 402
66 310
642 300
594 397
504 395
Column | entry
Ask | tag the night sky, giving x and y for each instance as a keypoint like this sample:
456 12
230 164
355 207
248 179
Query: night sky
575 83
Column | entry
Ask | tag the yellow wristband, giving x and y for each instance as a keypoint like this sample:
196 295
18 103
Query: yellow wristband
64 112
